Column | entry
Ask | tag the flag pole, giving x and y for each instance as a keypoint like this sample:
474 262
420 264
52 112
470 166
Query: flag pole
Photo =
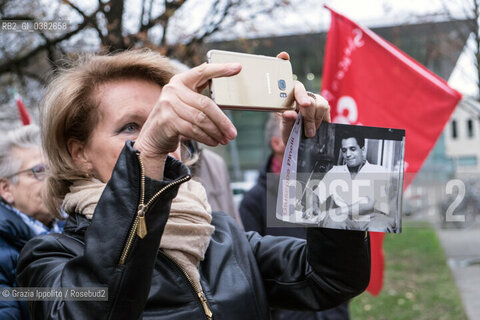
22 110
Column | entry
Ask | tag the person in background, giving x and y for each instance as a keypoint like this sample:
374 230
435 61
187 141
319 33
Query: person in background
23 215
258 207
210 170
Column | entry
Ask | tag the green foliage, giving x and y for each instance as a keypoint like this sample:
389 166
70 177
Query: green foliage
418 283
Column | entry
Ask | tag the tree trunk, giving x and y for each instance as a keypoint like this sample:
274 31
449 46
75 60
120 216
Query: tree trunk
114 14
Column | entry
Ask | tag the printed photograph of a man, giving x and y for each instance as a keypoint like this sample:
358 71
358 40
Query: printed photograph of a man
353 182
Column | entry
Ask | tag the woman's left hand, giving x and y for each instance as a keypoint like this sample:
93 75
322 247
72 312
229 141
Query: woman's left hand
314 110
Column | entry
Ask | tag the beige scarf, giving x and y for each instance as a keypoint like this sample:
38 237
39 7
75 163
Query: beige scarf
188 229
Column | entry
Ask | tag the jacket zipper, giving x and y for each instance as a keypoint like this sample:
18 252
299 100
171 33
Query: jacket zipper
199 291
139 226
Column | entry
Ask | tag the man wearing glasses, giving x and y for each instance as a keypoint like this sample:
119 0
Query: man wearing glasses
23 215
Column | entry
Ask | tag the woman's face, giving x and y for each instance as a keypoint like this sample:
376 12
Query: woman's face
124 107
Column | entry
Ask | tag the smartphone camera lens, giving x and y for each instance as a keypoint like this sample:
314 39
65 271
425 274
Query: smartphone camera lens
282 85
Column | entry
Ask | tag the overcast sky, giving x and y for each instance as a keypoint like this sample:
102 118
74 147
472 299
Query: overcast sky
377 12
311 16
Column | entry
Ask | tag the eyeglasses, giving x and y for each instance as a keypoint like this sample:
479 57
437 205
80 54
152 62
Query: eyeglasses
39 171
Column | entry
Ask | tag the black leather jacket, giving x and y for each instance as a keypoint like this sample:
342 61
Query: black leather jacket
14 234
242 275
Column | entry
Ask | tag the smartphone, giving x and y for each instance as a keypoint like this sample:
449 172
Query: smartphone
263 84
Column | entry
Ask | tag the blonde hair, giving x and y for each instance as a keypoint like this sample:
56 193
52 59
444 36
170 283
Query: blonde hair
70 109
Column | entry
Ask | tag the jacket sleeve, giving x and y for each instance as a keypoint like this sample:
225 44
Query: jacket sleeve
330 267
9 310
47 262
252 210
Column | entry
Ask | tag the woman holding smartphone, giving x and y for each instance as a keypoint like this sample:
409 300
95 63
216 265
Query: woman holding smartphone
138 225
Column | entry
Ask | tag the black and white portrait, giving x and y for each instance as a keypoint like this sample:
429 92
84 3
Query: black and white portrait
350 177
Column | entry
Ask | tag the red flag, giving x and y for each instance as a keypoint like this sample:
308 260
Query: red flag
22 110
368 81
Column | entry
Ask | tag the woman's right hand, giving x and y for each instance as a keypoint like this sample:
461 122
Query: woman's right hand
182 110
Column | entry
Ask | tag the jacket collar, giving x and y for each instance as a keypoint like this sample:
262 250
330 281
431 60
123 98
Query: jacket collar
77 224
12 228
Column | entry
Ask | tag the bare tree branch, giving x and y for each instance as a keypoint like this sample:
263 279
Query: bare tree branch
170 9
142 14
150 7
108 23
19 61
214 25
471 10
35 77
85 17
74 7
19 17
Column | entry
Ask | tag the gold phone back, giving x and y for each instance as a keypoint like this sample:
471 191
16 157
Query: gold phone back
257 86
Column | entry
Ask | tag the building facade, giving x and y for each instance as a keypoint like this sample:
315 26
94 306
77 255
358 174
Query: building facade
462 138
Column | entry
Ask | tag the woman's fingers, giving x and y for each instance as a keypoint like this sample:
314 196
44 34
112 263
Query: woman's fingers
313 107
200 111
162 130
283 55
197 77
326 112
322 109
182 111
206 110
288 120
206 118
194 132
322 113
306 106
